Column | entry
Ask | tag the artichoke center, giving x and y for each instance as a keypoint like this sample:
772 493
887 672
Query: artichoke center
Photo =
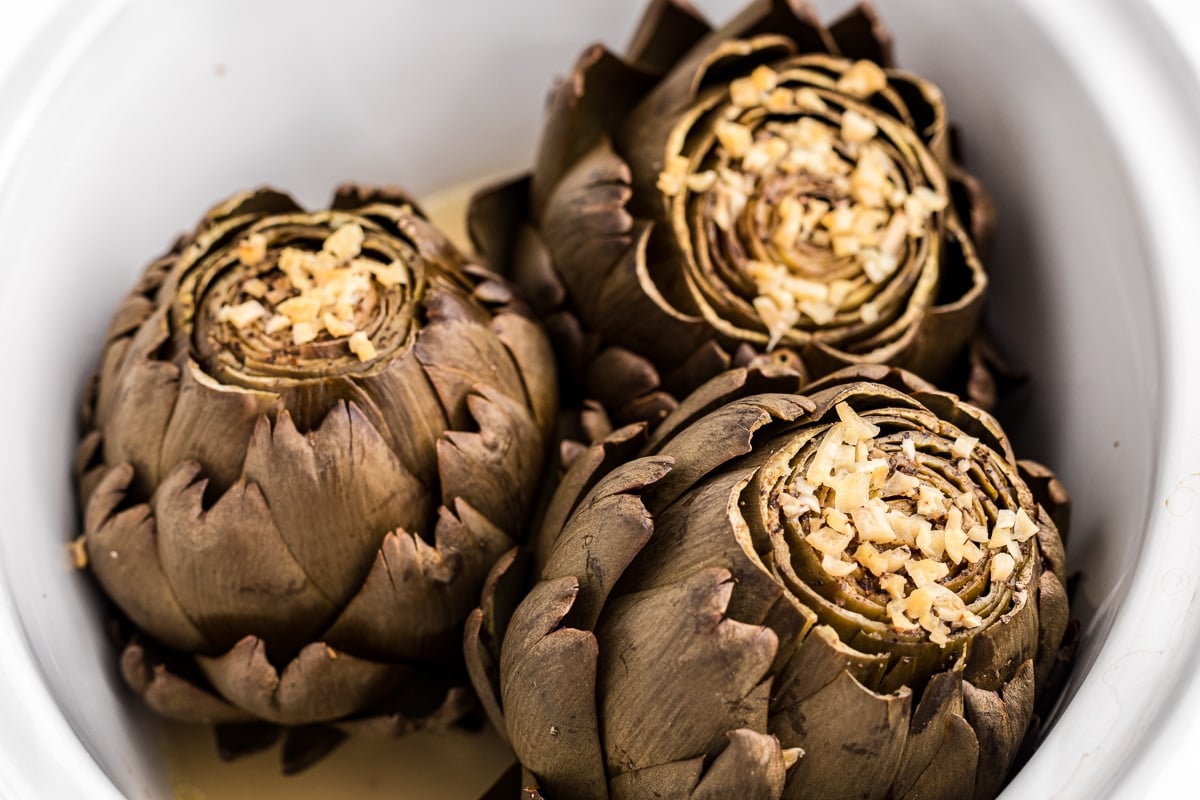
292 297
815 204
904 526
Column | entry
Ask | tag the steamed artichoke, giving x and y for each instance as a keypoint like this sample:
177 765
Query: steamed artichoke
854 592
770 191
310 436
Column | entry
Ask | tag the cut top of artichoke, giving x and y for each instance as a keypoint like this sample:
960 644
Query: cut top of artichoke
305 295
906 521
298 296
812 205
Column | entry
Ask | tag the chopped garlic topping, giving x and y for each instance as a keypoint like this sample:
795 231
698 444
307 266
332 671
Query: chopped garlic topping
863 516
318 291
862 79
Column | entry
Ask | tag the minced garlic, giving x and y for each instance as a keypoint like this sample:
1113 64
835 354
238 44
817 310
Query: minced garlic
321 290
832 141
866 513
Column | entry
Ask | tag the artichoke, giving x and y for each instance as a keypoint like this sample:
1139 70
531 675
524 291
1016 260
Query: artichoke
769 191
854 592
310 436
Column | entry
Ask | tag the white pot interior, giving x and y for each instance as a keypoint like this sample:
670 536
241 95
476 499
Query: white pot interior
157 110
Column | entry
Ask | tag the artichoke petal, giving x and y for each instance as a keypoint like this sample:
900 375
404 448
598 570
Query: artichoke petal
996 654
853 740
205 406
458 351
721 436
622 380
667 30
365 492
951 774
816 662
548 685
402 386
496 468
416 595
138 421
860 34
586 223
230 567
531 352
171 695
665 633
941 752
751 766
584 472
963 285
1053 617
122 548
720 390
318 685
598 562
600 89
999 720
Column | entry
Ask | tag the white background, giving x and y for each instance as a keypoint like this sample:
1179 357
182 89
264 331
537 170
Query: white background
21 19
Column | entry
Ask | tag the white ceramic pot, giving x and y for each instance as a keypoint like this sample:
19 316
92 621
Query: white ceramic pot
127 118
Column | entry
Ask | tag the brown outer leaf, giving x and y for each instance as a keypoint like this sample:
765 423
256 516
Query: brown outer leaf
657 649
548 686
861 34
667 30
584 108
414 599
172 696
230 568
531 352
583 473
459 351
396 391
318 685
721 436
952 772
751 767
946 327
999 720
141 408
495 468
334 493
941 753
598 562
853 740
204 407
122 549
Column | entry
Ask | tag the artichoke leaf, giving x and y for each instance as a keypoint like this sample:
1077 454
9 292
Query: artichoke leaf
171 695
365 492
860 34
415 595
495 468
122 548
605 533
548 688
231 568
662 635
203 407
319 684
853 740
